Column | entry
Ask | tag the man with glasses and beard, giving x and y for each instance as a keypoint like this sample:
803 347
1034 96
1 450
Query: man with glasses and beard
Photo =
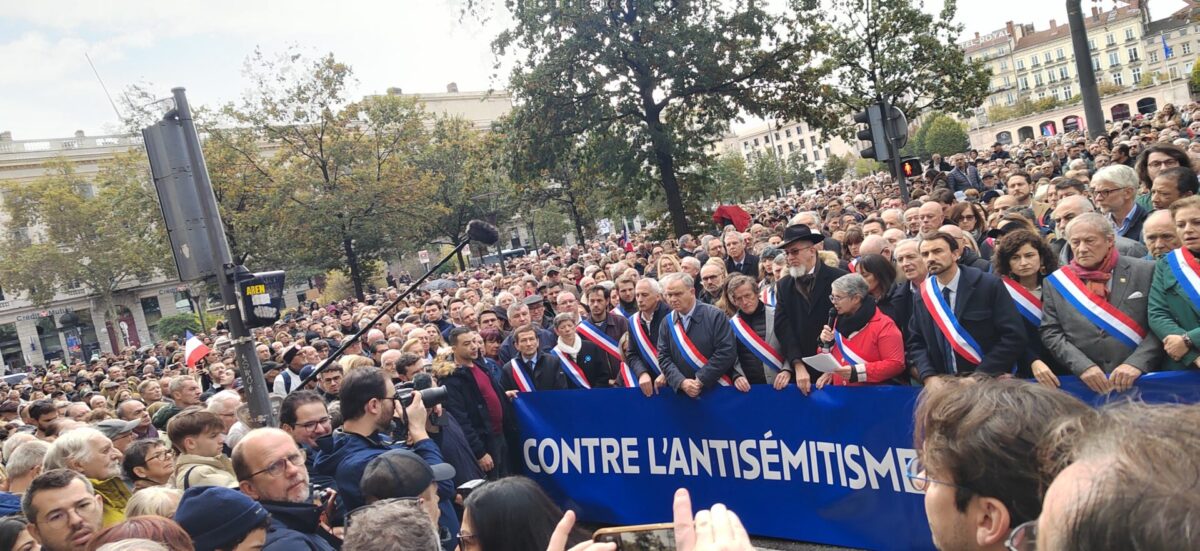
369 404
270 469
802 304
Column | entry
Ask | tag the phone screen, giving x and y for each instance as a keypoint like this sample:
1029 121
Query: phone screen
640 540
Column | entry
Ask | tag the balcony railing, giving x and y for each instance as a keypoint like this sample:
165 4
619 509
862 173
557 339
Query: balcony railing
68 144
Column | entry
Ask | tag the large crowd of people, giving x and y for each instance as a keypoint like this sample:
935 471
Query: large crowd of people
1058 256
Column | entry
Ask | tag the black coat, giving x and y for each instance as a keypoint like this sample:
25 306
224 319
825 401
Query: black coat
902 304
465 403
749 266
798 321
547 374
508 348
593 362
709 331
986 311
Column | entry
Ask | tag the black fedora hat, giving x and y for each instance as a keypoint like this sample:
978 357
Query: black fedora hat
797 232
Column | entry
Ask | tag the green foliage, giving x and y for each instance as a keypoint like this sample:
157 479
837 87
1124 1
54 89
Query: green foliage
730 176
660 79
835 168
178 325
945 136
1194 80
865 167
895 49
346 187
94 233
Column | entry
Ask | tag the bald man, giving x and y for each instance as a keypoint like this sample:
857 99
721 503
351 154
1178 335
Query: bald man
1159 232
967 255
931 216
875 244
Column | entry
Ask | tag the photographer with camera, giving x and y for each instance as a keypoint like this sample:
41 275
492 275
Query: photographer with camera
369 403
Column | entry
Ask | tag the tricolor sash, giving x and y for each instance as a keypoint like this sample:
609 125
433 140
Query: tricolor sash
687 349
606 343
524 383
617 311
572 369
1187 271
1116 323
945 320
644 344
852 265
763 351
767 295
1028 305
849 356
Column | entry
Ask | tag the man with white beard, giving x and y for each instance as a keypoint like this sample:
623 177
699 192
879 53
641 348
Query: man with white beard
803 303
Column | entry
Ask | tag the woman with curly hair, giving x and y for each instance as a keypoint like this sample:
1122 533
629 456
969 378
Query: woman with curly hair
1022 260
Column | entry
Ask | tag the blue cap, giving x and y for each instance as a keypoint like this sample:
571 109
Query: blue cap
215 516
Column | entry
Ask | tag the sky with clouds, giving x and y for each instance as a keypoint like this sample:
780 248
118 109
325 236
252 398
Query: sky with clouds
48 90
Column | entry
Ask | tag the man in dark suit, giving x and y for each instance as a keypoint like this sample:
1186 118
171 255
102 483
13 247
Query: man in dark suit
518 315
802 302
907 293
984 310
651 312
541 368
737 259
706 327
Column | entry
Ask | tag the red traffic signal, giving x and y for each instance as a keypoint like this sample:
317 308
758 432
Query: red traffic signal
910 167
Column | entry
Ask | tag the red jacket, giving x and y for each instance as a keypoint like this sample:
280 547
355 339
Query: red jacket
881 345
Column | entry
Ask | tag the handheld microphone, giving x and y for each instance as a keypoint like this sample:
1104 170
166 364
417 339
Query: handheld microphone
482 232
832 318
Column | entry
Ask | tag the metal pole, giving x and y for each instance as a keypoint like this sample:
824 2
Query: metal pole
1090 93
257 397
333 356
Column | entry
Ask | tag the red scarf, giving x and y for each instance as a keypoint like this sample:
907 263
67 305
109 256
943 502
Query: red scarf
1097 280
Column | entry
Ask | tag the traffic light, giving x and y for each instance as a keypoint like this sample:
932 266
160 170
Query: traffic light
874 133
910 167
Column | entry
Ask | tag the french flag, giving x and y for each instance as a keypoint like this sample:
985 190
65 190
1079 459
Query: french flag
194 349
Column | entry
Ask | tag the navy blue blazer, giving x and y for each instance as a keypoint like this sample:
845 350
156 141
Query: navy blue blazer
709 330
547 374
986 311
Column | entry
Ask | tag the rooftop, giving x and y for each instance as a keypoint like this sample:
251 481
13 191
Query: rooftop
1095 20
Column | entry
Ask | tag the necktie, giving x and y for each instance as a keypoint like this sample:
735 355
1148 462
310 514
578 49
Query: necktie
951 361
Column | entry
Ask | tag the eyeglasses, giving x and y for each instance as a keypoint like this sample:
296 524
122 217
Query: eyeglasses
1168 163
312 425
1023 537
466 538
416 502
278 467
916 474
1102 193
163 455
61 518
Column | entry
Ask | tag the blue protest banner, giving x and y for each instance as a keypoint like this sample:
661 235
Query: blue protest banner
827 468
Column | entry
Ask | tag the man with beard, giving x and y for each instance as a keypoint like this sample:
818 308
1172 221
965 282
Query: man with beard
625 295
1020 187
964 320
712 278
601 318
49 503
270 470
802 303
369 404
87 451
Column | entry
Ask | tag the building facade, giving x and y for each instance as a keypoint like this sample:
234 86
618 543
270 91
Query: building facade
1139 60
785 140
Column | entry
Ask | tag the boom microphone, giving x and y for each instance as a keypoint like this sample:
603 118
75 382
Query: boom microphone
482 232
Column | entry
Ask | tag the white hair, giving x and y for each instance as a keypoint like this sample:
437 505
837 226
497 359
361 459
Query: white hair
1095 220
851 285
653 284
226 396
1118 174
811 215
687 280
134 544
26 457
73 445
690 261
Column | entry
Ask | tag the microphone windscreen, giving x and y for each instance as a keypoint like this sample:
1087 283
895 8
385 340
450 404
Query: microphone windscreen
482 232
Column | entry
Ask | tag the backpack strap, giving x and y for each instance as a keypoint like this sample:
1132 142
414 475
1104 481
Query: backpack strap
187 477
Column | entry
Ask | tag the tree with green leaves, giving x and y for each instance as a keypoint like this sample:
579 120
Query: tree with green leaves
895 50
730 177
100 234
946 136
343 170
664 78
835 168
766 173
